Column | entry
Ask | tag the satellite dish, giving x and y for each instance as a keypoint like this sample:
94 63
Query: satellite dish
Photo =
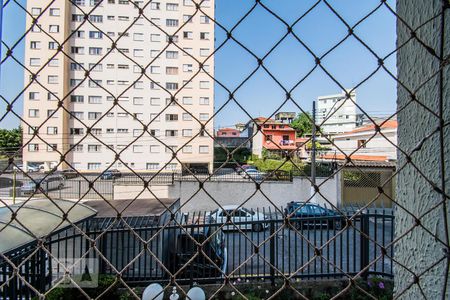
196 293
153 292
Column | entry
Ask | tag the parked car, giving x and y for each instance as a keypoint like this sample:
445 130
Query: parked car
66 174
47 184
32 168
18 168
305 215
255 174
184 248
111 174
241 169
243 218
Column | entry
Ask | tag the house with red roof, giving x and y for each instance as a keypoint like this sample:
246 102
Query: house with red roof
368 144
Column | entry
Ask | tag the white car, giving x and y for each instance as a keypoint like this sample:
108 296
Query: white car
255 174
243 218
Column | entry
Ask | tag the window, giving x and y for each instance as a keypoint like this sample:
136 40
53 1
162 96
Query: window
52 45
171 133
94 148
152 166
187 117
155 21
95 99
187 3
53 63
171 85
204 100
77 98
204 20
123 18
203 149
174 38
36 11
187 132
362 144
51 113
154 118
52 96
171 148
33 113
187 68
154 148
204 84
138 148
188 51
77 148
36 28
110 18
154 132
188 35
94 166
204 51
137 132
171 117
94 83
95 51
138 116
205 3
96 68
187 149
96 18
171 70
187 101
95 35
155 70
204 35
76 131
122 130
139 85
138 101
187 18
79 2
33 95
171 22
122 115
155 6
138 53
187 84
172 6
138 37
53 28
155 37
52 79
203 117
35 45
52 147
51 130
33 147
35 62
153 54
77 18
172 54
54 12
77 50
109 130
94 115
77 115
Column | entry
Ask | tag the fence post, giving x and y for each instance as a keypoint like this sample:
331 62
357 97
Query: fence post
365 226
79 189
272 252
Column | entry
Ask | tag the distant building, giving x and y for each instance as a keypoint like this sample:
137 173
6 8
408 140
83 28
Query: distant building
371 146
275 137
228 132
285 117
336 112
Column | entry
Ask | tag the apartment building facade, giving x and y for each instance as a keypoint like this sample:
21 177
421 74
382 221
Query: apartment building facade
132 80
336 113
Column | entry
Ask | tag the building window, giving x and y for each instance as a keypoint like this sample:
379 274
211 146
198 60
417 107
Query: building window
53 63
171 70
171 148
35 45
154 148
52 96
204 35
171 22
77 98
96 18
203 117
171 133
95 51
204 100
77 115
187 117
187 149
155 69
94 115
152 166
138 101
137 132
172 6
155 6
95 35
187 101
122 130
204 84
155 101
204 52
36 11
204 19
187 68
187 132
171 86
76 131
77 148
138 53
53 28
187 18
94 166
138 37
33 113
35 62
52 147
171 117
51 130
362 144
33 147
54 12
95 99
155 37
188 35
203 149
138 148
33 95
77 50
171 54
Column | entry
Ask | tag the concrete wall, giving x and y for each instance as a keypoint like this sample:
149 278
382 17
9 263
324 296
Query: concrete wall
419 250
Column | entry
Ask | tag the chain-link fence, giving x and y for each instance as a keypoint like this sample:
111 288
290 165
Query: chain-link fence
118 99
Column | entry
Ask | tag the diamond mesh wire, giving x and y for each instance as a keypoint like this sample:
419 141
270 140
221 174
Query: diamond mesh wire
88 16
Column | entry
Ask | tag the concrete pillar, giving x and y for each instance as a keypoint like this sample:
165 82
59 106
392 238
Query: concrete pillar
419 250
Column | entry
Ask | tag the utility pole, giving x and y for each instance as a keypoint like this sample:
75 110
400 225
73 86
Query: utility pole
313 152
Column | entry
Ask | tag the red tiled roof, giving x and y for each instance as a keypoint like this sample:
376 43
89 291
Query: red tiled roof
227 129
356 157
390 124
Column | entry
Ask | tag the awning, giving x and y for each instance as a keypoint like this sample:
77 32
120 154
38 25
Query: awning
37 219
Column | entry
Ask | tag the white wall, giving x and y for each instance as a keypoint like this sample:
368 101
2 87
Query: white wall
226 193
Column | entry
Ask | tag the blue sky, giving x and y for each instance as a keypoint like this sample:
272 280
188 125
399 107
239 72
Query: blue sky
320 30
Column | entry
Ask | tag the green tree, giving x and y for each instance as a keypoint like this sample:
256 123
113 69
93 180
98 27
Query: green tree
10 140
302 124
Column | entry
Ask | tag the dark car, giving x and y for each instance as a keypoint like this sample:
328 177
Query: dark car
111 174
185 247
66 174
306 215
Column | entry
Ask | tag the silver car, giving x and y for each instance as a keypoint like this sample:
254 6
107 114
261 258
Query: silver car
241 217
46 184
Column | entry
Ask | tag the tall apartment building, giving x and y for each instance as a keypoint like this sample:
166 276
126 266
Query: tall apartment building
340 110
113 45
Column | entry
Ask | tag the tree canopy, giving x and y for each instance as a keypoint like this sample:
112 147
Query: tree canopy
10 140
302 124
